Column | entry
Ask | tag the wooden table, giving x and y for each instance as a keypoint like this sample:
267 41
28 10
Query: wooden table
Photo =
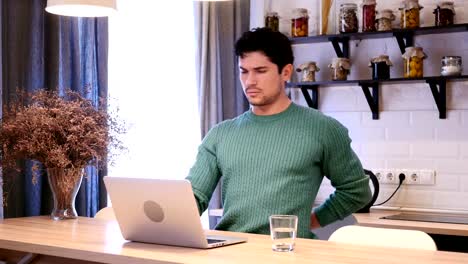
100 241
374 219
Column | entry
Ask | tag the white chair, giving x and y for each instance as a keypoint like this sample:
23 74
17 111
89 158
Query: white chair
385 237
105 213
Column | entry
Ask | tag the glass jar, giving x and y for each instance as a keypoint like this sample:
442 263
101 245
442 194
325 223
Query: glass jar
410 14
451 66
413 62
348 21
340 68
380 67
272 21
300 23
384 20
308 71
444 14
368 15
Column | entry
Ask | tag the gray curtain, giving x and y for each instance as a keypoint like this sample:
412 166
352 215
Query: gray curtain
45 51
217 26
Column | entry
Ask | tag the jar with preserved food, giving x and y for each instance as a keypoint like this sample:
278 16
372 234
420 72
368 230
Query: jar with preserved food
272 21
308 71
384 20
451 66
410 14
368 15
340 68
413 62
348 21
444 14
380 67
300 23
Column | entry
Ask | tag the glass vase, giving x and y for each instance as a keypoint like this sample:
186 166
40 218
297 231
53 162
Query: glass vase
64 184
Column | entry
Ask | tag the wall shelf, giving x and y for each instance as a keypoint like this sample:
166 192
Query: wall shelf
437 84
405 38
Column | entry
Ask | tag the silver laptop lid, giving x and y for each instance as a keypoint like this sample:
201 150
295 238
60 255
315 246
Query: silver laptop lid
156 211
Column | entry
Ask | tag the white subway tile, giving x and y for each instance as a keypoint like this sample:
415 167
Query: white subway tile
338 99
398 133
410 163
373 163
386 119
447 182
406 97
452 166
356 147
409 197
348 119
464 150
430 119
431 149
458 95
464 118
460 134
367 134
451 200
385 149
464 182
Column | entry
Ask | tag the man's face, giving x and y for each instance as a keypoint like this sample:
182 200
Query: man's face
261 81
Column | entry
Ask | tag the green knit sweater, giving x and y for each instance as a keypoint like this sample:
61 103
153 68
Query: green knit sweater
274 165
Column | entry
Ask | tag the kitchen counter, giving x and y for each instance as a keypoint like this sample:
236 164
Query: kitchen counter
374 219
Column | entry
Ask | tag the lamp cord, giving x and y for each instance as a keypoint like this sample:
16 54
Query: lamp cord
401 177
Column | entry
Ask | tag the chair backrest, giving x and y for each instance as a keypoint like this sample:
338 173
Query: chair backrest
385 237
106 213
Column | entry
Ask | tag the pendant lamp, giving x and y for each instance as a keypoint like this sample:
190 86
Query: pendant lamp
82 8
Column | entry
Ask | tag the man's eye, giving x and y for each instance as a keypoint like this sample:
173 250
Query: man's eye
243 72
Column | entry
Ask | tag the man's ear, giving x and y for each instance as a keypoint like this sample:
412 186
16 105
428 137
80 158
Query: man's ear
287 72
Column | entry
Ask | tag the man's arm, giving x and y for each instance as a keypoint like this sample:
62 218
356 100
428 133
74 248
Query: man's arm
343 168
204 174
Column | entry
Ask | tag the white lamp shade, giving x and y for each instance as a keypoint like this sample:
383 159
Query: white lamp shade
82 8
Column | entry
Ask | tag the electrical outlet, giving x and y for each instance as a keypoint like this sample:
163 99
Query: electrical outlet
412 177
419 177
386 176
391 176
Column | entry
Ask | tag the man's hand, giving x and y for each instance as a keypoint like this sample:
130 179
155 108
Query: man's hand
314 223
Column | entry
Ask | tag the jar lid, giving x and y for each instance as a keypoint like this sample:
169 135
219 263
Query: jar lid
446 5
451 58
300 12
385 13
272 14
410 4
414 52
344 63
311 66
348 5
369 2
381 58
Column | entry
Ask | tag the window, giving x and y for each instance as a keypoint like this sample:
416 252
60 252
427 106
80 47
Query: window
152 81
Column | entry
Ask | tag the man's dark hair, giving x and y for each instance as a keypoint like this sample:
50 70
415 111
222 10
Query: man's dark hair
275 45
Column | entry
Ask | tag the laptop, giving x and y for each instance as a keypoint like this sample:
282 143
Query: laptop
160 212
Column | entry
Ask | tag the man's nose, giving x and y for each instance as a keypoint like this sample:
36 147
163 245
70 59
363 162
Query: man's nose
251 79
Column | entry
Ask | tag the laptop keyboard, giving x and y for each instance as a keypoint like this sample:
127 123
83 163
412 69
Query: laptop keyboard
213 241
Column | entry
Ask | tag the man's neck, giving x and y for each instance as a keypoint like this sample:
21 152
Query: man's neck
272 109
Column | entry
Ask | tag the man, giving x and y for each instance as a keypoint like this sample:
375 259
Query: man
273 157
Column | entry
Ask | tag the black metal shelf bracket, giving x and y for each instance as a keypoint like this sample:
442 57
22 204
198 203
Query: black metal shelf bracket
341 52
439 92
311 101
404 39
372 99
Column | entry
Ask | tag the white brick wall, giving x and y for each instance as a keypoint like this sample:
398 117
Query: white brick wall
409 133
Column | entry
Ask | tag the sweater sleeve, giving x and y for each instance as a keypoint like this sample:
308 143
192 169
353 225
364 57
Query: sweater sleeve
205 174
342 166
